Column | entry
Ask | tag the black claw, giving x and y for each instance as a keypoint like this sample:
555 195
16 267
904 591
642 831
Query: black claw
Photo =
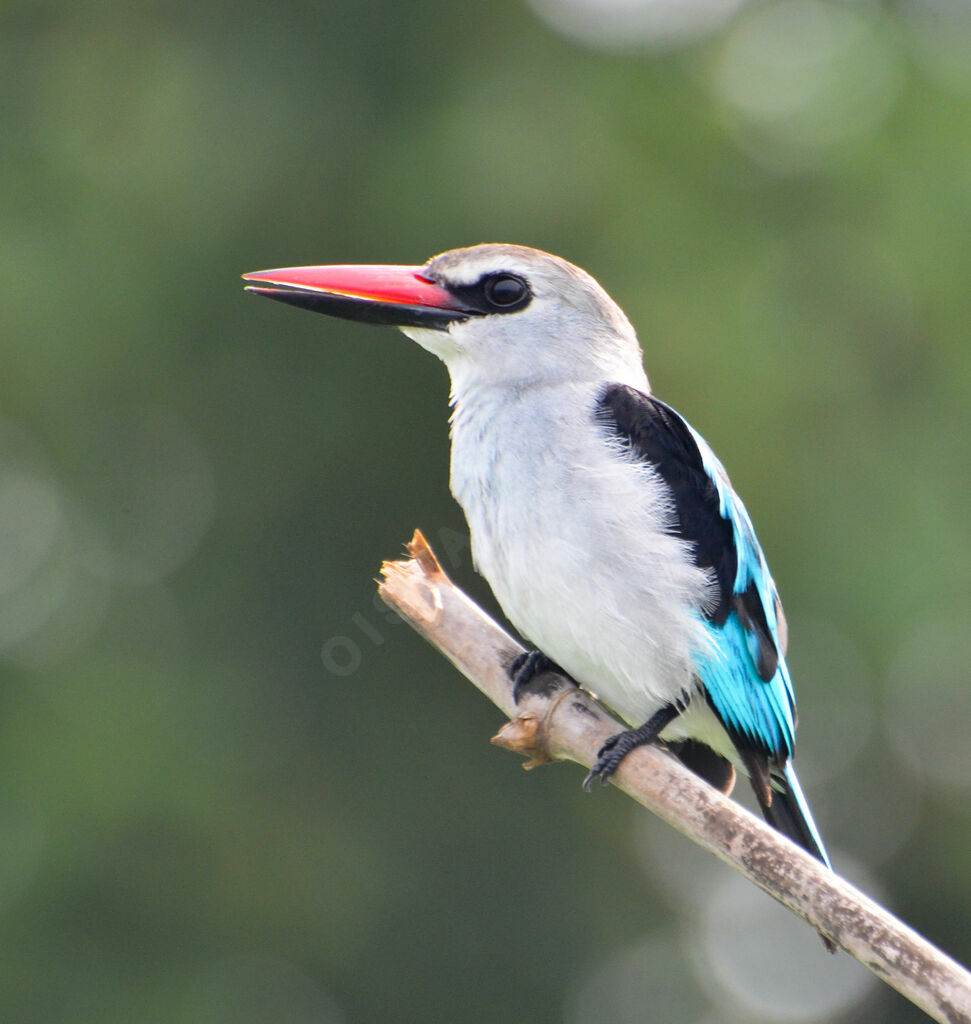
525 667
594 773
610 755
618 746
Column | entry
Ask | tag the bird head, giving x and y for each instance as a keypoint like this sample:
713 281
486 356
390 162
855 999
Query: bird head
502 315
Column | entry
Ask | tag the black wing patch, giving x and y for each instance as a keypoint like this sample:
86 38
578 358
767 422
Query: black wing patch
751 612
656 433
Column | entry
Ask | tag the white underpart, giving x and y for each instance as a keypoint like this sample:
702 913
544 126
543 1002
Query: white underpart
571 532
572 538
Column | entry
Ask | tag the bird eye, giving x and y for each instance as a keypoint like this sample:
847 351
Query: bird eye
505 290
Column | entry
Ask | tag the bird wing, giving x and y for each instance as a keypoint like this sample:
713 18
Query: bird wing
744 672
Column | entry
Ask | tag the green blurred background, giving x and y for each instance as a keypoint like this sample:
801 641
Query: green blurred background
232 788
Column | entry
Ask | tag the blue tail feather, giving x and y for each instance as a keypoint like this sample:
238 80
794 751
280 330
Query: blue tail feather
790 814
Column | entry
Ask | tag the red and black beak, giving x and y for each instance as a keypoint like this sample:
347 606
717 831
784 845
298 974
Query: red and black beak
399 296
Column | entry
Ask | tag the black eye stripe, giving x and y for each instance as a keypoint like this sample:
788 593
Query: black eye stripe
498 292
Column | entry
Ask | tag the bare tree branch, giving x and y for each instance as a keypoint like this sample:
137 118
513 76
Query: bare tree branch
563 723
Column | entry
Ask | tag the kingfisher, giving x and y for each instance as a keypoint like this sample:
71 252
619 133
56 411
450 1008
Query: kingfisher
605 525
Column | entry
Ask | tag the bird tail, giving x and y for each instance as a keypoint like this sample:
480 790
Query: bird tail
788 813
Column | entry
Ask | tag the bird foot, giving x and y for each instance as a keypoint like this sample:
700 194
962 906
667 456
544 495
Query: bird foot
610 755
525 667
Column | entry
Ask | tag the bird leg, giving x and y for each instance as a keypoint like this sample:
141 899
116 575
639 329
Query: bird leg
618 747
525 667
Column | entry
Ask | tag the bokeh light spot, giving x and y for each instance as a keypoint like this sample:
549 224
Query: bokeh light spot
801 77
29 518
874 809
635 24
768 962
49 604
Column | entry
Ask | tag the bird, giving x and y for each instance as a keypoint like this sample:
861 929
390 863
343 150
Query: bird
605 525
